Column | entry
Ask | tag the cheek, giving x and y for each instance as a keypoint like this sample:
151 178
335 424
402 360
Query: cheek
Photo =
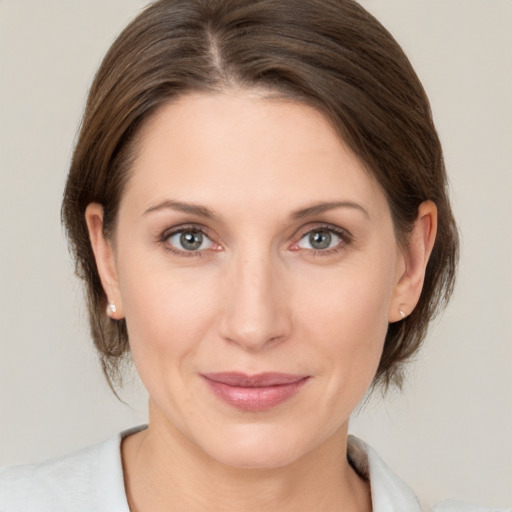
167 314
347 317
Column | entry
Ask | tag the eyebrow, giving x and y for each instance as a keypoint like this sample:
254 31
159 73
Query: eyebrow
206 213
324 207
192 208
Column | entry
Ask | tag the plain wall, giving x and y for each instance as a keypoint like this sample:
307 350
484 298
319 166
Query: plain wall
449 434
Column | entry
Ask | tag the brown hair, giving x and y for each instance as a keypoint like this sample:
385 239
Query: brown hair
331 54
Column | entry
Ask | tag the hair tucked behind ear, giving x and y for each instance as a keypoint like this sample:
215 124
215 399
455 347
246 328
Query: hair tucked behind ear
330 54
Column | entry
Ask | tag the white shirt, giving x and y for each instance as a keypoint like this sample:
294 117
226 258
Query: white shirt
91 480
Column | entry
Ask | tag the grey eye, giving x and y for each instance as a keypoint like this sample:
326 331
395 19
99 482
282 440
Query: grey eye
320 239
190 240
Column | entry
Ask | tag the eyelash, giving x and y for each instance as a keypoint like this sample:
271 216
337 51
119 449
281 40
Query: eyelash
183 253
345 237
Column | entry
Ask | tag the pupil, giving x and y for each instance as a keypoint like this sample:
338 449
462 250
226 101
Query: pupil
191 240
320 239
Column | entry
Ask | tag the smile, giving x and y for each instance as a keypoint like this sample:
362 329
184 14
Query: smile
254 393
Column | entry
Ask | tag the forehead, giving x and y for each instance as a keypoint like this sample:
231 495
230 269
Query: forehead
215 148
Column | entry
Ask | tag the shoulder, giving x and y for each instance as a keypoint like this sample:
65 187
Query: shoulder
389 492
89 479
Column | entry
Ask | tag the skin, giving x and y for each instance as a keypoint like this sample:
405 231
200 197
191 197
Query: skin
256 297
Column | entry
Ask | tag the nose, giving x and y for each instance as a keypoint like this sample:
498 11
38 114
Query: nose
256 311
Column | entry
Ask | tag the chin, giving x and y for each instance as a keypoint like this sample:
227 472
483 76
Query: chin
262 457
258 447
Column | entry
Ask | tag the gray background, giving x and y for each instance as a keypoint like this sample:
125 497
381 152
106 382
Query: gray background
449 433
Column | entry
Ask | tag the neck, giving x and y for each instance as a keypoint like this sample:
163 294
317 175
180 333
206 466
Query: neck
166 471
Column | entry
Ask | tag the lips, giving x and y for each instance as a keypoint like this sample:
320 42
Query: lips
254 392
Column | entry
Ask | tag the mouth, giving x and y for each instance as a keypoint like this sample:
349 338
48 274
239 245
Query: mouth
254 393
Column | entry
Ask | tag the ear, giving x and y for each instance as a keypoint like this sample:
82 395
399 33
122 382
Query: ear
105 258
415 258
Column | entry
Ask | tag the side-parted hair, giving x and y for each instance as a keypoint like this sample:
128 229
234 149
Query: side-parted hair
329 54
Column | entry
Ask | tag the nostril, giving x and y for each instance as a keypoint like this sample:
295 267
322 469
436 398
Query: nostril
256 331
255 310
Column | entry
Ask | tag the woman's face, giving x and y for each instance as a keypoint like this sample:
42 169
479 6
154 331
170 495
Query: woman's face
256 265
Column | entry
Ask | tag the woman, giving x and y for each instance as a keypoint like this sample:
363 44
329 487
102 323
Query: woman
257 204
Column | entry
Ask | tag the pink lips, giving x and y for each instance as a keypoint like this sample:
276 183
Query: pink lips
254 392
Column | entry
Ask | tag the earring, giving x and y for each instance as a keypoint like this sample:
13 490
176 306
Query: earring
402 314
111 308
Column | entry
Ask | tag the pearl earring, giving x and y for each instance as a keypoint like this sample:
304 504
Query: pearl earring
111 308
402 314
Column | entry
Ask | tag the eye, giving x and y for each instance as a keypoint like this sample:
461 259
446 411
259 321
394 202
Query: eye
189 240
321 239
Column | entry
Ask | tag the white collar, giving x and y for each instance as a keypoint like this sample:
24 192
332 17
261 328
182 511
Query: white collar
389 493
92 479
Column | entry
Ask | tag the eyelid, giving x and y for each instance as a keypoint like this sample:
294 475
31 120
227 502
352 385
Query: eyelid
184 227
345 236
206 232
342 232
